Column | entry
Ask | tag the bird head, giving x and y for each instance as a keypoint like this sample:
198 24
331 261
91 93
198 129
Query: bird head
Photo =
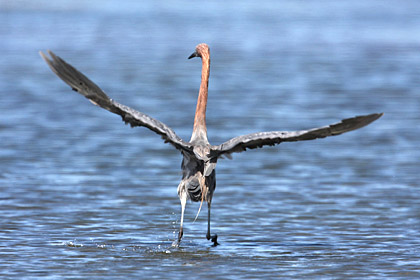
201 50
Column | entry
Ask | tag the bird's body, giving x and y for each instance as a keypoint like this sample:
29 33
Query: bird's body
199 157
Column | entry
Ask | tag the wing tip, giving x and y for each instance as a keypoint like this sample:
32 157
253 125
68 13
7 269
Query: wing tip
353 123
51 61
43 56
372 117
376 116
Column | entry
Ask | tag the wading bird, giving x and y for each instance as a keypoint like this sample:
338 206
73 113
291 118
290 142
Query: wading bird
199 157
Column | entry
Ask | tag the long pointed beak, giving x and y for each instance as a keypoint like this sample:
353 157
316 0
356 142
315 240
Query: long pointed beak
194 54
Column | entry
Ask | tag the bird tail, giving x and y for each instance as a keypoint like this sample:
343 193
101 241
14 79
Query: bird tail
204 191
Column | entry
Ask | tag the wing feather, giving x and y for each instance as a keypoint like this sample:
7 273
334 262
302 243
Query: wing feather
260 139
83 85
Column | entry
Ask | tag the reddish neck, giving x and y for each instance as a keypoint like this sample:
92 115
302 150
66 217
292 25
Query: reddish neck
200 129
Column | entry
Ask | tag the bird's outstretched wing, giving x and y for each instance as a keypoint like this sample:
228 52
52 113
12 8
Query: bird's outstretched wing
80 83
260 139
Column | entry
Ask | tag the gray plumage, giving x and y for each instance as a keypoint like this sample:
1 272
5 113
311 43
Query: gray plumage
80 83
199 157
271 138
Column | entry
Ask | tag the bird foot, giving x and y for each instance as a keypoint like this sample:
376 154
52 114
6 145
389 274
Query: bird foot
175 244
213 239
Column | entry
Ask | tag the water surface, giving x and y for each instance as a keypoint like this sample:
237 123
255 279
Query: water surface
83 196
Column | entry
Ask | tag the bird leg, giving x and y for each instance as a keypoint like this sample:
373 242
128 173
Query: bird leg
208 236
183 198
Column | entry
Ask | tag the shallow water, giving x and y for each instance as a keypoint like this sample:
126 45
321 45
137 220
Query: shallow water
83 196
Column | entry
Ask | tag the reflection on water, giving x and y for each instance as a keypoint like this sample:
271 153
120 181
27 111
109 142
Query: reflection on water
82 195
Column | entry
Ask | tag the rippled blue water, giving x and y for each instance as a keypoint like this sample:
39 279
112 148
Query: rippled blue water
83 196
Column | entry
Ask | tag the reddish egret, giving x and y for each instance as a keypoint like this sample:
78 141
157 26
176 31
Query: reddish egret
199 157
